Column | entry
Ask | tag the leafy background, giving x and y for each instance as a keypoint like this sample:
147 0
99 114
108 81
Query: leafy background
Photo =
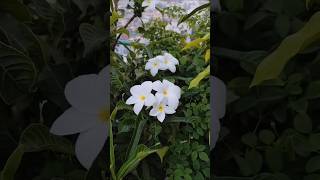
271 128
43 45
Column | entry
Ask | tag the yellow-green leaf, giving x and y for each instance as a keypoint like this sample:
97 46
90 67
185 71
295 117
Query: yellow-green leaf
272 65
162 152
114 17
207 56
195 82
193 44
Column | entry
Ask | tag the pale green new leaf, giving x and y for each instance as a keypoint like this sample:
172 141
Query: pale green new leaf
195 82
272 65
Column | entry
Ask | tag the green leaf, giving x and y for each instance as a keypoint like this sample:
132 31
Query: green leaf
93 37
195 82
184 18
141 153
249 139
12 164
243 165
254 160
36 137
17 73
274 159
313 90
314 141
313 164
162 152
17 9
255 19
272 65
207 56
266 136
111 152
302 123
282 25
22 38
204 157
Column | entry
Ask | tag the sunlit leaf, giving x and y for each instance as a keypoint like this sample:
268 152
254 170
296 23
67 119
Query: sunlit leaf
204 74
272 65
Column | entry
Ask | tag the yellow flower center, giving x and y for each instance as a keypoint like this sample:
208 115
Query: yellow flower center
161 108
104 115
155 64
165 92
142 98
166 61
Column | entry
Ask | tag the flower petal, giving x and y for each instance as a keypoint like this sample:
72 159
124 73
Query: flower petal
150 100
161 117
146 87
73 121
159 97
173 101
88 93
175 90
135 90
148 65
215 128
154 71
137 107
157 85
218 97
172 68
90 143
169 110
153 112
131 100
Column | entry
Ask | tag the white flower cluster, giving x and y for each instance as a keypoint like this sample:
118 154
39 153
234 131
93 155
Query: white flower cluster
162 62
164 101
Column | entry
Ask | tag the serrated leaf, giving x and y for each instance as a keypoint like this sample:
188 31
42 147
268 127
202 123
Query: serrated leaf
272 65
195 82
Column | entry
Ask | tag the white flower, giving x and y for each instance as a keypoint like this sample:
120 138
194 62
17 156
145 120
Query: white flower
151 4
218 105
182 28
170 62
122 51
155 64
160 109
167 93
144 41
141 96
88 115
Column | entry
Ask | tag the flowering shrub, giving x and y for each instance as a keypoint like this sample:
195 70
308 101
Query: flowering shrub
161 100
